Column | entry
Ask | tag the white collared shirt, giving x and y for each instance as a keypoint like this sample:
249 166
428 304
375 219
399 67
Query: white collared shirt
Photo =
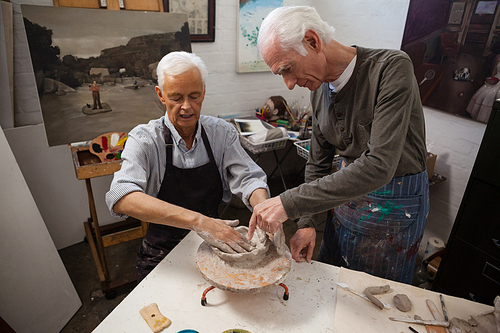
338 84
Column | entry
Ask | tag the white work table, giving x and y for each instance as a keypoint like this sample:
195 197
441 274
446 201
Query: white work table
314 305
177 286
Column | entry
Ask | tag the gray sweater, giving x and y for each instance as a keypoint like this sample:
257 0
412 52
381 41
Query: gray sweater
375 123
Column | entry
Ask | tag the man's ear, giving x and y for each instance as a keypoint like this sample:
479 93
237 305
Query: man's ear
160 95
312 40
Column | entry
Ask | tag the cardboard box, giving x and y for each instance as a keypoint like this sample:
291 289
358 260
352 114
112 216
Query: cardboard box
431 162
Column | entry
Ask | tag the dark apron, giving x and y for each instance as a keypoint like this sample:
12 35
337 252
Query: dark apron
197 189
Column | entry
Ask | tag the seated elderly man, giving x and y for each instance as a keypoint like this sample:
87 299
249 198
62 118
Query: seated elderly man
177 169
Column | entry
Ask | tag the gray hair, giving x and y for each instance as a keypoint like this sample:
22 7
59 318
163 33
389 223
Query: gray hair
178 62
289 24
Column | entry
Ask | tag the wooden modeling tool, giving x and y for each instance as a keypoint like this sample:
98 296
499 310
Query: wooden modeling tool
437 316
153 317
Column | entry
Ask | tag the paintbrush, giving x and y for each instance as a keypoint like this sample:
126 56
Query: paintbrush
305 114
290 112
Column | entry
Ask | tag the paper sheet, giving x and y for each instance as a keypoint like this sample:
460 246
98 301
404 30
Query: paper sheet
354 314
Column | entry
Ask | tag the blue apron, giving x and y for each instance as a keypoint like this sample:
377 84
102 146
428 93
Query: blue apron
379 233
198 189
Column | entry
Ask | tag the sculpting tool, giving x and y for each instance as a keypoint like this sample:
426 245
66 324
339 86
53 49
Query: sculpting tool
437 315
421 322
445 313
346 287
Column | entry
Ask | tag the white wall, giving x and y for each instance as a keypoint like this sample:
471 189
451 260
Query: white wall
376 24
234 93
36 292
365 23
456 143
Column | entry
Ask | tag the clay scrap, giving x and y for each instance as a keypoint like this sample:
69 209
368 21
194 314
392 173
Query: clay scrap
376 290
484 323
402 302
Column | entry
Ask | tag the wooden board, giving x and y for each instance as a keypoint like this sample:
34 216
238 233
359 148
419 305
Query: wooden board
88 165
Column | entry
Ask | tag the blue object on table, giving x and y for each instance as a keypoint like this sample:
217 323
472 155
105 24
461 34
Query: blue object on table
188 331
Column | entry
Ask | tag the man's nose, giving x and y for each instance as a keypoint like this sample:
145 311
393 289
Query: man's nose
186 105
290 82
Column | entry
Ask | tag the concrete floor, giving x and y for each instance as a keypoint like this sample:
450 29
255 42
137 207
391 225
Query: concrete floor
121 260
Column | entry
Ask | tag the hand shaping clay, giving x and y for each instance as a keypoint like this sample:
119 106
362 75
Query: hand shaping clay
260 241
402 302
370 291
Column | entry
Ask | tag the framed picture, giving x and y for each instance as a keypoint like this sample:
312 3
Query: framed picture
98 75
456 13
486 7
250 16
201 17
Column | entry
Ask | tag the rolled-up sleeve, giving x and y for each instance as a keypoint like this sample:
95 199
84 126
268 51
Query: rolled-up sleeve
133 175
243 175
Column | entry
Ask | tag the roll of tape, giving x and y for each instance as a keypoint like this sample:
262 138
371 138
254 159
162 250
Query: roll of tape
434 244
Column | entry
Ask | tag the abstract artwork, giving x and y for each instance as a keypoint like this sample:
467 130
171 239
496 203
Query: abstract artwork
96 69
250 16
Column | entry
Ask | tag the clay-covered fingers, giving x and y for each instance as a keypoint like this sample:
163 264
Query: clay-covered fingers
233 238
268 216
232 223
219 234
252 224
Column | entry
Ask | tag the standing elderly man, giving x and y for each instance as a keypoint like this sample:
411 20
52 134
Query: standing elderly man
366 106
177 169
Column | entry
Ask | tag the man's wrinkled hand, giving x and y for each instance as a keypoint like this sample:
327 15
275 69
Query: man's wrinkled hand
220 233
268 216
302 244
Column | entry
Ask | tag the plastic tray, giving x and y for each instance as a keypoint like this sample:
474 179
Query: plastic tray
257 148
303 151
303 148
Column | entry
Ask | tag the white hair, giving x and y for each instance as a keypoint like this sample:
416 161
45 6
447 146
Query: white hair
175 63
289 24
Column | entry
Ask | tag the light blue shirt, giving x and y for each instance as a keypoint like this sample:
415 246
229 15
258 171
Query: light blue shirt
144 160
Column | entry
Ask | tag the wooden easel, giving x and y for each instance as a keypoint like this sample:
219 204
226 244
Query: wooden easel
147 5
87 166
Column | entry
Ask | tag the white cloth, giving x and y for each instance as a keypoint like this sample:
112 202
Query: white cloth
267 135
481 104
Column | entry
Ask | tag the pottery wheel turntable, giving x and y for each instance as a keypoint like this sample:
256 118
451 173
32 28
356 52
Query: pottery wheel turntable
245 275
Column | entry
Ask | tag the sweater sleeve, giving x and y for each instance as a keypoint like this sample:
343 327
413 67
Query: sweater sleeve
393 95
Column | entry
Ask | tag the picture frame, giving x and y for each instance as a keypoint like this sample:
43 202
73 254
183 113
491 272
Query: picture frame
201 17
250 16
456 13
106 85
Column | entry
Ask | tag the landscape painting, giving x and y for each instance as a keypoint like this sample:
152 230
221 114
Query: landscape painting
95 69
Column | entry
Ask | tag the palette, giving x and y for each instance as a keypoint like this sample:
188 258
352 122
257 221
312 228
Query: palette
109 146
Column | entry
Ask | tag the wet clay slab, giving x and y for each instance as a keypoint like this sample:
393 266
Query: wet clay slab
237 278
